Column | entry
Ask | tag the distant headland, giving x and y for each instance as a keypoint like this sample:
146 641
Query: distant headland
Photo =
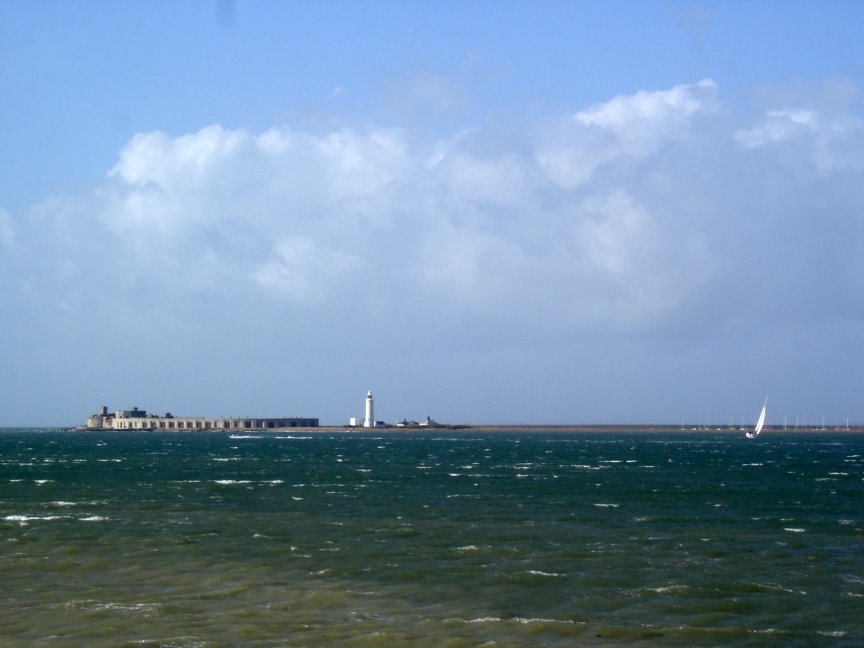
139 419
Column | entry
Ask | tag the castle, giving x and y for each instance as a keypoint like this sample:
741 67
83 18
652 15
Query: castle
137 419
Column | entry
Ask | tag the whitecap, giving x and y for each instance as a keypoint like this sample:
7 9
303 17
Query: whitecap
527 620
774 587
93 518
535 572
228 482
605 505
464 548
125 608
794 529
669 588
28 518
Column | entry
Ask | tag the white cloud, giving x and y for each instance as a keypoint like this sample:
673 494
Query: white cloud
651 115
632 126
175 163
613 234
304 270
498 181
382 220
778 126
643 227
353 162
828 141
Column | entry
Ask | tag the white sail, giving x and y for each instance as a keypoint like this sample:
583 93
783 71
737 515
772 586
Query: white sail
760 423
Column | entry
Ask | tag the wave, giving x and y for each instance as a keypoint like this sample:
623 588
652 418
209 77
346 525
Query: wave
664 589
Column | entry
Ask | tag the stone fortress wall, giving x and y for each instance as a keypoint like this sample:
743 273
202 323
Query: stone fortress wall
136 419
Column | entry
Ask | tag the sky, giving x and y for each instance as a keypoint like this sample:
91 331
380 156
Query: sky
486 212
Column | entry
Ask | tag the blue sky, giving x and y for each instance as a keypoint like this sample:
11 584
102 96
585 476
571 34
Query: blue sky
486 212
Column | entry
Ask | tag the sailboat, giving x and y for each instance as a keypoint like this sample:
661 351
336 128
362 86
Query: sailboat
760 423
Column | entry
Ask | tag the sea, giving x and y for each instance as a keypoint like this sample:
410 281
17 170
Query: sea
435 538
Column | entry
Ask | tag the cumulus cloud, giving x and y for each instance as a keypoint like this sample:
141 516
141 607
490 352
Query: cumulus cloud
570 241
607 217
778 126
823 139
632 126
156 158
303 269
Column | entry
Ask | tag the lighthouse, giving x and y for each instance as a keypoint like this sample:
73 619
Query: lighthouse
369 419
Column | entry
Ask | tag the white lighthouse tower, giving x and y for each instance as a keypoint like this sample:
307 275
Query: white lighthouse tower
369 420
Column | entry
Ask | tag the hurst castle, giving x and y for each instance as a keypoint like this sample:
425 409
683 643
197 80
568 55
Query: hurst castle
136 419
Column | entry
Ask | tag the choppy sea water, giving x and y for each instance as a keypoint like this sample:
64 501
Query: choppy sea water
435 539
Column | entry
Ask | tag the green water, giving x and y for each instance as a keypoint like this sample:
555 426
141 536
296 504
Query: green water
200 539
